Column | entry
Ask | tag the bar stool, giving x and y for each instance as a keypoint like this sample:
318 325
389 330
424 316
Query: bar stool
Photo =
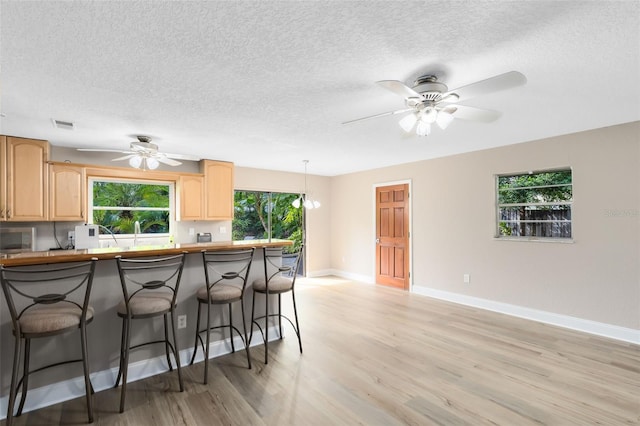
279 277
44 302
225 275
150 287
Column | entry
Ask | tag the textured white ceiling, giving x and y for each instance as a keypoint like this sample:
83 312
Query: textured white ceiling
268 84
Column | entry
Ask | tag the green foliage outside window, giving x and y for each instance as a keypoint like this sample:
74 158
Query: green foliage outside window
251 217
117 206
535 204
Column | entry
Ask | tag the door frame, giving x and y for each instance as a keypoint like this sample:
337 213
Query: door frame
410 243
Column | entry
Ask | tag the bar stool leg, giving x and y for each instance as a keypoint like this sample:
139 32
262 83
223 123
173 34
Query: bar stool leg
123 342
14 380
25 375
233 347
85 366
195 343
166 341
280 314
295 313
206 348
266 327
125 365
253 309
176 352
246 341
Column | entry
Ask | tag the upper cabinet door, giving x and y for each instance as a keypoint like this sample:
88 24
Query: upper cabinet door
26 179
3 177
219 190
190 195
67 193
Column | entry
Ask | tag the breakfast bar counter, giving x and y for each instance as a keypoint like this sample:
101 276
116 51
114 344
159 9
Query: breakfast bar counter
60 256
104 332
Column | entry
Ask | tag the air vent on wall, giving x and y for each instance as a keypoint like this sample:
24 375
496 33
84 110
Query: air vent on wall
59 124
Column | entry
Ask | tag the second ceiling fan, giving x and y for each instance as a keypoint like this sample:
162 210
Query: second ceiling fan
431 102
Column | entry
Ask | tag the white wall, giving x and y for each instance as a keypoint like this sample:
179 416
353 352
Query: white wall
595 278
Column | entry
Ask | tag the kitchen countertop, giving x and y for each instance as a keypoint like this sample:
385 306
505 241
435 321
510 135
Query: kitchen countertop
60 256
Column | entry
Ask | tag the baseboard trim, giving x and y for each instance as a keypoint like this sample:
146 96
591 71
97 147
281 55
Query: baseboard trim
66 390
592 327
365 279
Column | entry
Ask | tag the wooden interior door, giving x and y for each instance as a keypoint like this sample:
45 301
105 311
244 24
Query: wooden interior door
392 236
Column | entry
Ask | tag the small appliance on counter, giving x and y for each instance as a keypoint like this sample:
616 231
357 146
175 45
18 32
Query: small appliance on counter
87 236
203 237
17 240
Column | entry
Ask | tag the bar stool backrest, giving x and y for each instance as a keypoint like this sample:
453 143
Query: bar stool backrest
33 287
228 267
276 263
157 274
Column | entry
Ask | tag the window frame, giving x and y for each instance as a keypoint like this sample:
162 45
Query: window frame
132 180
536 238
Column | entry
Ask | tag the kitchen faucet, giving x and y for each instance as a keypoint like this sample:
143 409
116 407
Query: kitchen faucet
136 231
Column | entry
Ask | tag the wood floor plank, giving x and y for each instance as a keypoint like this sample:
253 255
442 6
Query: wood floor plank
379 356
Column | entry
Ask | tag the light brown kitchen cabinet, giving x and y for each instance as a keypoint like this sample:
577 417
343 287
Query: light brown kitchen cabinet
67 193
23 185
218 187
190 197
3 176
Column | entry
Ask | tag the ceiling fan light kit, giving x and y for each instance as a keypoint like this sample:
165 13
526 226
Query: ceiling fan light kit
143 154
430 101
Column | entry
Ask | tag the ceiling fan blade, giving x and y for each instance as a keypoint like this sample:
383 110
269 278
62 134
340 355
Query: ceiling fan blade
500 82
464 112
182 157
126 157
103 150
167 161
399 88
400 111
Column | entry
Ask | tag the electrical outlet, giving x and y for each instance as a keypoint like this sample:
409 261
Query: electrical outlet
192 231
466 278
71 235
182 321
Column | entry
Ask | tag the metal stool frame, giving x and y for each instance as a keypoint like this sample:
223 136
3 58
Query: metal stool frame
75 278
221 267
134 275
273 260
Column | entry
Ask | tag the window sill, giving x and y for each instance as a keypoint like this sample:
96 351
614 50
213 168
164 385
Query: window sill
536 240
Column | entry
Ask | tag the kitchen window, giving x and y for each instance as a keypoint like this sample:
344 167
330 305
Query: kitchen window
535 205
116 205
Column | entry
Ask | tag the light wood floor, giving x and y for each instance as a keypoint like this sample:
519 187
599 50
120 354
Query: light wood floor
377 356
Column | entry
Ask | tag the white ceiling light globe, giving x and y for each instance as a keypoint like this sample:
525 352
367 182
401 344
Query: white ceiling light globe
152 163
408 122
135 162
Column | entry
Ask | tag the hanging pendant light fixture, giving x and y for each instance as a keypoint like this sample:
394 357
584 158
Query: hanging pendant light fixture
303 199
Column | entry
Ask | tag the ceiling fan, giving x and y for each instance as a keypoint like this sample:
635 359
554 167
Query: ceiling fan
431 101
144 154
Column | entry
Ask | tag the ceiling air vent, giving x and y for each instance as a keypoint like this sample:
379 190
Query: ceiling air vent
59 124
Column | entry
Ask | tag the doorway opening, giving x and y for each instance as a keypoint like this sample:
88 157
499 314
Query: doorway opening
265 215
